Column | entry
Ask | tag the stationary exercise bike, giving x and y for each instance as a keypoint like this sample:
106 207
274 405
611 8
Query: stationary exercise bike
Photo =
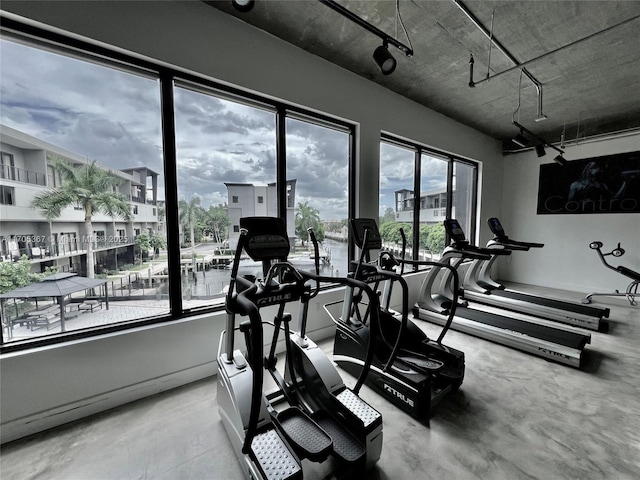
632 289
411 370
310 414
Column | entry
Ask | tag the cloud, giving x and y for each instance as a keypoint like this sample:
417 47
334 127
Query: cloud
114 117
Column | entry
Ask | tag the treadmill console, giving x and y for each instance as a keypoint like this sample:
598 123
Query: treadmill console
454 230
496 227
359 226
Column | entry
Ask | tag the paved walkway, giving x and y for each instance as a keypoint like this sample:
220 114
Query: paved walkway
119 311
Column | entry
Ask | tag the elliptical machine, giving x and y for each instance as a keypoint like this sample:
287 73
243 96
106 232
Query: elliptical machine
632 288
322 418
411 370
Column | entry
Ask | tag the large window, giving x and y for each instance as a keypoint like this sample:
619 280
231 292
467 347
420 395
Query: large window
446 188
464 194
317 158
432 206
81 144
225 150
397 173
129 179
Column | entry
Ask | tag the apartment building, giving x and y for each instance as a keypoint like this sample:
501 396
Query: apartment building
26 170
433 206
249 200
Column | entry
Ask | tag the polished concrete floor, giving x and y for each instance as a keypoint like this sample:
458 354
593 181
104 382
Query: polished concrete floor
515 417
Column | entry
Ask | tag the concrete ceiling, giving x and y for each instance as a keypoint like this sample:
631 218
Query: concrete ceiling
590 85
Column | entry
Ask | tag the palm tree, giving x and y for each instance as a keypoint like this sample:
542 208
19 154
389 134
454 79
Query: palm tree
307 217
112 208
189 214
88 187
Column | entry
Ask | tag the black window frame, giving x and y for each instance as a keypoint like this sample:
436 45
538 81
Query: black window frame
7 195
451 159
35 36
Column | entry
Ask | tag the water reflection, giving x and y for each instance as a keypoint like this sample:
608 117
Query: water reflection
211 283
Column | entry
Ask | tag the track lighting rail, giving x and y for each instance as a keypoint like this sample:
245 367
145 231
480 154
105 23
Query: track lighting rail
559 159
408 51
497 44
537 137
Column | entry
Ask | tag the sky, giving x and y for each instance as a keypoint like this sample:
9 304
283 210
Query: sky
397 172
112 116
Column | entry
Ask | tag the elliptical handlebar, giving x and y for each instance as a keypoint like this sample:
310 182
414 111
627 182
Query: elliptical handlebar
251 310
455 279
316 262
404 249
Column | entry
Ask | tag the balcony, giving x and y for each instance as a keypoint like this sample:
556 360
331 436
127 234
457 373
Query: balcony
17 174
49 252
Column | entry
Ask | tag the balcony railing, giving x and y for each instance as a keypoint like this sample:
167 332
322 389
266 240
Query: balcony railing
62 249
21 175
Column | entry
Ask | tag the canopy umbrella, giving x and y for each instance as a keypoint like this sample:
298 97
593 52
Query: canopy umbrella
58 285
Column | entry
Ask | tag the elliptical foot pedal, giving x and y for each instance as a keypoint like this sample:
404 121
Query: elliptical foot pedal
361 409
306 436
274 458
452 373
345 445
424 363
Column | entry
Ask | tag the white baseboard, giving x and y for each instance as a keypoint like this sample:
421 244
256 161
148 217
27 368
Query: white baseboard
55 417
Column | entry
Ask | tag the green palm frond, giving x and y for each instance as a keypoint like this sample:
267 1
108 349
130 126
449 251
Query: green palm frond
86 186
113 204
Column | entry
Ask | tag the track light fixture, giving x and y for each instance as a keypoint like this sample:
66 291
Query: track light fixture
541 146
559 159
381 55
243 5
384 59
520 140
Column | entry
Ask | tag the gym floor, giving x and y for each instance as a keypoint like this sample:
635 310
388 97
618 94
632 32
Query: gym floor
515 417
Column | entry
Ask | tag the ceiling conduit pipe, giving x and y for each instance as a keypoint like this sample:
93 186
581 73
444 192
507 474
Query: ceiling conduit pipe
505 52
559 49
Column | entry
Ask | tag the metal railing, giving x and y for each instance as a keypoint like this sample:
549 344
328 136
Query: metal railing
60 249
18 174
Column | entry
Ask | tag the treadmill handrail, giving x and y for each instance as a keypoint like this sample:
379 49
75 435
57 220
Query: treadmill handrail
467 250
516 243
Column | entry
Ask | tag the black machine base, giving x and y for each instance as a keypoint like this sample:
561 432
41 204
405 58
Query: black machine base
414 390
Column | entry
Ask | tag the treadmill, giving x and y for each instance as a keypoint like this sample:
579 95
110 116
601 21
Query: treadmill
556 343
479 287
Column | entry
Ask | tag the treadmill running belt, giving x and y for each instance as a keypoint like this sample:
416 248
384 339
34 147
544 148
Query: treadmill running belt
552 303
560 337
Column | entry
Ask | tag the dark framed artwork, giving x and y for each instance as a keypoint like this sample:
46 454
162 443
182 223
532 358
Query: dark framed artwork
607 184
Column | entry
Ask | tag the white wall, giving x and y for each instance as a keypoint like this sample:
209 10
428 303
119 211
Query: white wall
566 261
53 385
